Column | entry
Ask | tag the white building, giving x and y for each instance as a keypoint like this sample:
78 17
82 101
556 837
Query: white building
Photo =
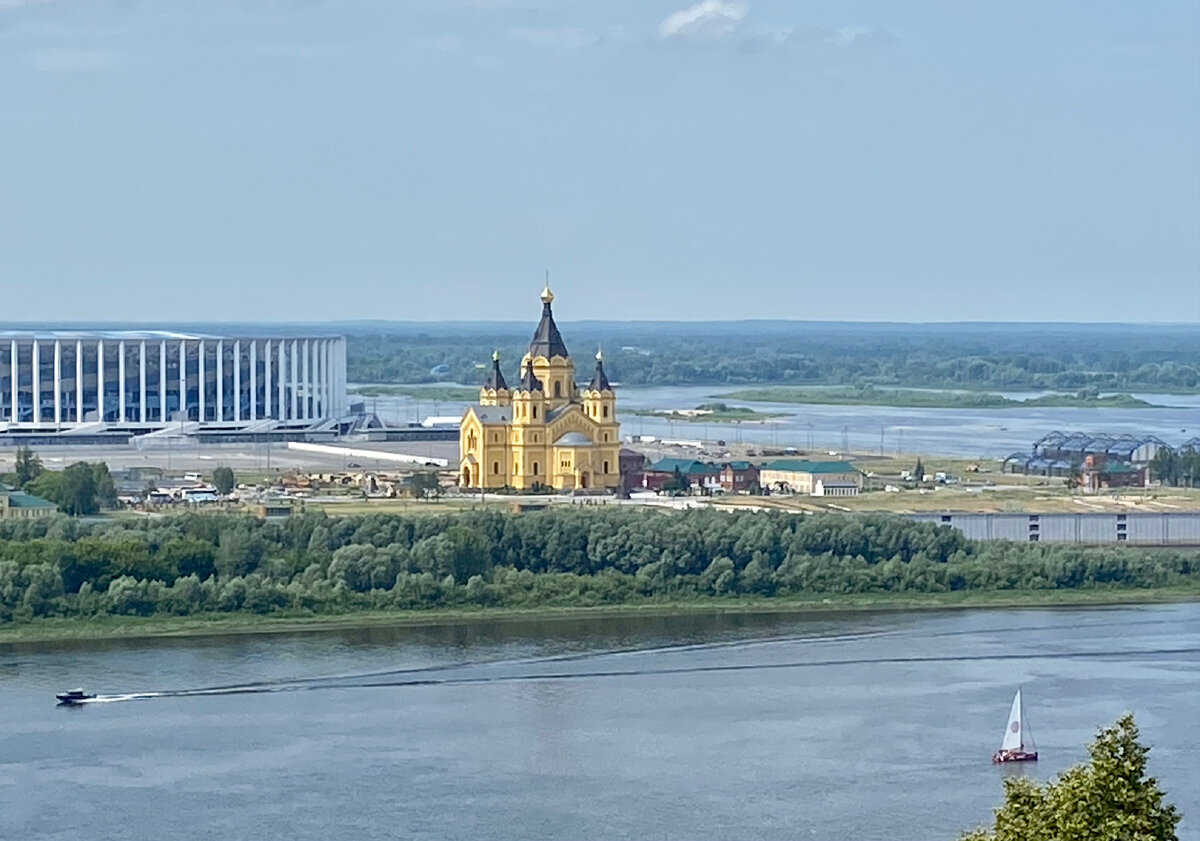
140 381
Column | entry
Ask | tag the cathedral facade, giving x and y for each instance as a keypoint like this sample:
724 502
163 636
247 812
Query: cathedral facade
544 432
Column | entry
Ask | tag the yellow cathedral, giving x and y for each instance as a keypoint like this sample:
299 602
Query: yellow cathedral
545 432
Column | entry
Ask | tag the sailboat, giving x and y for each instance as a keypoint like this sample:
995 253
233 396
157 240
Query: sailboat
1017 745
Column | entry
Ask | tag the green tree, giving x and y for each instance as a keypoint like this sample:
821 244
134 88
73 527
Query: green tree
28 466
678 483
223 480
73 490
48 485
1108 798
105 487
425 484
919 471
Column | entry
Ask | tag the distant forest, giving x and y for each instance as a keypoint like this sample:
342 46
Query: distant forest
1064 357
311 563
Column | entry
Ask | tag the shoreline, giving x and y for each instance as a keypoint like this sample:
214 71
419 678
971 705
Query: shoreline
108 627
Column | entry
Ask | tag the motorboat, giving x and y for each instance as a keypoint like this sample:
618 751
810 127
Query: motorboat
73 696
1017 744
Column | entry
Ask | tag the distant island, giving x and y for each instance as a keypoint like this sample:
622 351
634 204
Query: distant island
915 399
456 393
710 413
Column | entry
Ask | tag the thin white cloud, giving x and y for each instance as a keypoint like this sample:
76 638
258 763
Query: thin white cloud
860 36
844 37
707 20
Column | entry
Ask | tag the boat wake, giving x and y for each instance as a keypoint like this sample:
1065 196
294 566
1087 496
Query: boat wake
396 679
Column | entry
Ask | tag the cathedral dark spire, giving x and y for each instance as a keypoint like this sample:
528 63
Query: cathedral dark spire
547 341
529 382
599 379
495 381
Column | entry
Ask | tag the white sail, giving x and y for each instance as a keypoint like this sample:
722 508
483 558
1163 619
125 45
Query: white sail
1012 733
1027 743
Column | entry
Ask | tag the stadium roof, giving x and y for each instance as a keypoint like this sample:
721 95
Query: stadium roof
147 335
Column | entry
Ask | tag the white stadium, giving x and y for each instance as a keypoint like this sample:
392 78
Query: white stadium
75 383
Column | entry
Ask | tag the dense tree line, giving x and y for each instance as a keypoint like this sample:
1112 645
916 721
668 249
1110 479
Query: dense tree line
192 563
79 488
995 357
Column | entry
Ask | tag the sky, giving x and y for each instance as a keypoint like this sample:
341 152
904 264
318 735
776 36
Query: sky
243 160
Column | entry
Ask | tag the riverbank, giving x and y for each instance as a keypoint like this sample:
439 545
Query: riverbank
710 413
917 399
136 627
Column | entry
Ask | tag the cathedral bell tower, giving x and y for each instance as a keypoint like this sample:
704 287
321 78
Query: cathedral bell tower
548 355
599 399
495 391
529 430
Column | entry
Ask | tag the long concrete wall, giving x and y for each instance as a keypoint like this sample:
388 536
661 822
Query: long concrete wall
1165 529
365 455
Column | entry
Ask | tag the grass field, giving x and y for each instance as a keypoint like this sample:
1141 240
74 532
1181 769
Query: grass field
132 627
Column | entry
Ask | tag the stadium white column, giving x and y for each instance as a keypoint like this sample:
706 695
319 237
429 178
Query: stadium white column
37 384
78 381
100 380
142 382
219 382
253 379
329 407
12 368
57 382
162 380
281 376
121 381
318 380
336 351
200 371
306 380
183 377
319 409
293 381
267 380
237 379
343 369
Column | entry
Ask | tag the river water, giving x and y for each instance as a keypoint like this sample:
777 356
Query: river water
866 725
969 433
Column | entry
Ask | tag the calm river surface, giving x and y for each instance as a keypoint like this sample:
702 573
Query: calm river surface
970 433
870 726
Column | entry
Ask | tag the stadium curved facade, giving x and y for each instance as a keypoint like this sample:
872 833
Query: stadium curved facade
140 381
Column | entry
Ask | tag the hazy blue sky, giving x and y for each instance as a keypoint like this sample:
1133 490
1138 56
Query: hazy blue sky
427 159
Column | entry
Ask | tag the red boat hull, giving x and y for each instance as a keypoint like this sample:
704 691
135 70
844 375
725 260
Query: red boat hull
1014 756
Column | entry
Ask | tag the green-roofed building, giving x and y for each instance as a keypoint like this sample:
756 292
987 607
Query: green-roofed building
699 474
818 478
18 505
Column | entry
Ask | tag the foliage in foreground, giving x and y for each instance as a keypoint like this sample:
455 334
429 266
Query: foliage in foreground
1108 798
311 563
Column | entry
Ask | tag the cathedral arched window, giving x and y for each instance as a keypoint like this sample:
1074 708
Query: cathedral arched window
535 412
557 388
606 467
535 468
496 467
605 411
